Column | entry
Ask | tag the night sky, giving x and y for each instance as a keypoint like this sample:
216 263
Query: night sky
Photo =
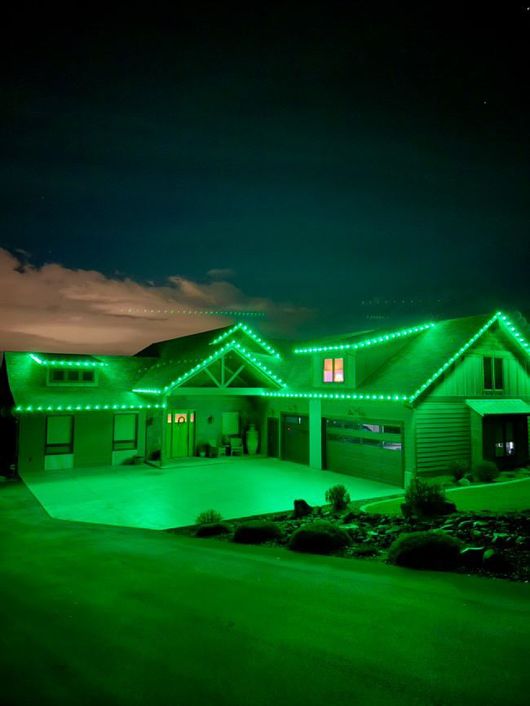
316 165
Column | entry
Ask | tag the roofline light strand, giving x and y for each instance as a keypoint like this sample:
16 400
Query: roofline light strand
367 342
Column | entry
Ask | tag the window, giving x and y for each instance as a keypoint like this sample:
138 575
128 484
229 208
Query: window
493 373
69 376
333 370
59 435
125 432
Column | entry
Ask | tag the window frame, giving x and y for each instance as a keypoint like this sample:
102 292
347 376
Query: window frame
495 364
333 369
59 449
66 371
125 444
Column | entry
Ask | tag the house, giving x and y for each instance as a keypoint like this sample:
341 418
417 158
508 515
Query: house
385 405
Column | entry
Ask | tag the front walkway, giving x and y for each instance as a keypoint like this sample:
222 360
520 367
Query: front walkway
154 498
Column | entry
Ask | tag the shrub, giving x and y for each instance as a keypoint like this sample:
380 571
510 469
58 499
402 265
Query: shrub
256 532
319 538
458 469
425 500
212 529
485 472
425 550
208 517
338 497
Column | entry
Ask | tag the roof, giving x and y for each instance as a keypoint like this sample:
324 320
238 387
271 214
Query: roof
422 356
28 388
406 364
490 406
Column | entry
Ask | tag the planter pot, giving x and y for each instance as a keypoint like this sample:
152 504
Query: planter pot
252 439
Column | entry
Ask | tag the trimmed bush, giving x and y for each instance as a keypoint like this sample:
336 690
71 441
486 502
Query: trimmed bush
338 497
485 472
424 499
425 550
319 538
212 529
458 469
256 532
208 517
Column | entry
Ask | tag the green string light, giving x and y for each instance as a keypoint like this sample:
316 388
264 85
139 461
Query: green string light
514 332
57 363
336 396
251 334
233 345
454 357
84 408
367 342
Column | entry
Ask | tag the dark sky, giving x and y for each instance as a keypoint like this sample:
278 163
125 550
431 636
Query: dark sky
328 155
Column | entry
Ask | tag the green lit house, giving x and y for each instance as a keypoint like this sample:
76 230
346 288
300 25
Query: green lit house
385 405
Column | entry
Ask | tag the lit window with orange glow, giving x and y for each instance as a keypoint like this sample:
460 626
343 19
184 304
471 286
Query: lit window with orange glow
328 369
333 370
338 370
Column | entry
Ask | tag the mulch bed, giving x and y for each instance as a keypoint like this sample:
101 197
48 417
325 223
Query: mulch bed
371 535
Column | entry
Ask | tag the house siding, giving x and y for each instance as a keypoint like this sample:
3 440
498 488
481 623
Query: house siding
32 438
443 435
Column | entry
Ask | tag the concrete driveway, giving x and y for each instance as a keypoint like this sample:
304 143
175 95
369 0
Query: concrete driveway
153 498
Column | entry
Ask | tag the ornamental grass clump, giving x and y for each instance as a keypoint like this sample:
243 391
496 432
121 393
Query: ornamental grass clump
208 517
256 532
319 538
425 550
338 497
424 499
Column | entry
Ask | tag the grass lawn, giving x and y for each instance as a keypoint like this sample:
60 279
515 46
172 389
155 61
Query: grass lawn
126 617
498 497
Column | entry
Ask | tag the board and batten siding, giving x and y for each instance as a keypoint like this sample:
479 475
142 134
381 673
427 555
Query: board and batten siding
443 435
466 377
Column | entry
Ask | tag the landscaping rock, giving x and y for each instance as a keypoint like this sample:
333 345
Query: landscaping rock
301 508
471 557
349 517
464 482
496 562
502 538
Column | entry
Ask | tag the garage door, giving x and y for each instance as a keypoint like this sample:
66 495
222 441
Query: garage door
369 450
295 438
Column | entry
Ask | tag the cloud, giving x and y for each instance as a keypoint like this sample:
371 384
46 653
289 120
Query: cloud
221 273
55 308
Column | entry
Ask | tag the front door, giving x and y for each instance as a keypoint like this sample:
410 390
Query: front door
180 433
506 440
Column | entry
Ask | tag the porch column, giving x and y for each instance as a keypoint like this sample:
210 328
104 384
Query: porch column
163 433
315 433
477 436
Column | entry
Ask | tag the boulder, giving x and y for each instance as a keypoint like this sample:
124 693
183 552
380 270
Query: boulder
472 556
301 508
496 562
